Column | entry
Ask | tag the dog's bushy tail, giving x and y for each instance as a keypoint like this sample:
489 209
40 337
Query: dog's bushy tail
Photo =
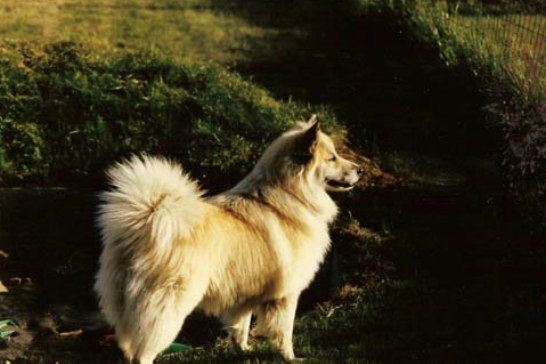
151 204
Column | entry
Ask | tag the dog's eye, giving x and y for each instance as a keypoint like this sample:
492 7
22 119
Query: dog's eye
332 158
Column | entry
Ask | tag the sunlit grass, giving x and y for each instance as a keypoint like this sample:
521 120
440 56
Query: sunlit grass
509 47
198 30
29 19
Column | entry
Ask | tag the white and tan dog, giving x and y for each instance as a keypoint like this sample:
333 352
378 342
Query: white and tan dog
249 250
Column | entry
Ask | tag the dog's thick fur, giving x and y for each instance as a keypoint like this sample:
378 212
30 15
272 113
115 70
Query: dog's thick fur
250 250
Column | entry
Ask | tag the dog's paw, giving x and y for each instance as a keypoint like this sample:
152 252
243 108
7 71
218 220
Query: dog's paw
244 347
290 357
241 346
295 359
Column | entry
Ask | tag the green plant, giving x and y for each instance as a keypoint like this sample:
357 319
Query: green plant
68 112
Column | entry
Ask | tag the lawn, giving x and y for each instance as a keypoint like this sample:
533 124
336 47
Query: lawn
504 47
198 30
509 47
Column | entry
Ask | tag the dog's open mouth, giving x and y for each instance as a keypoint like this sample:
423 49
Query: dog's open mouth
334 185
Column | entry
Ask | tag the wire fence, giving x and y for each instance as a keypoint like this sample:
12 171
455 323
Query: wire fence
517 28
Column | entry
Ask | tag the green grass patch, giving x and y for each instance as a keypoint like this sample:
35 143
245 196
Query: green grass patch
67 112
498 42
197 30
498 48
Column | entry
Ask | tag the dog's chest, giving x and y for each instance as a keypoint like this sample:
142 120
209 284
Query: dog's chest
306 256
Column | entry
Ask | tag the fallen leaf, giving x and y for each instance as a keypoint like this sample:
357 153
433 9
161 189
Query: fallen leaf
9 324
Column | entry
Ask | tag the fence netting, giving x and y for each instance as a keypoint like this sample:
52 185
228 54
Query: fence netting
515 28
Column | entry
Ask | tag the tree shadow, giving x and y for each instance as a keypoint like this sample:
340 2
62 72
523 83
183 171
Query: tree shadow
382 83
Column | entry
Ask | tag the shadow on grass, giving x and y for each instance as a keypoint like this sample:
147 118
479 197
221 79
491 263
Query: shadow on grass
469 284
421 321
386 87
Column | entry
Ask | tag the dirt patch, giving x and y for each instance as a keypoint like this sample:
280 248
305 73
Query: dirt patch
50 253
56 315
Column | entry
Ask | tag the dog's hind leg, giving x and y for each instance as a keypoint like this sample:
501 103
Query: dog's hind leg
238 325
155 337
155 334
124 343
276 321
160 319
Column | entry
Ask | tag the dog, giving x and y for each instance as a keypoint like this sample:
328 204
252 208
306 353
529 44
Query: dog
251 250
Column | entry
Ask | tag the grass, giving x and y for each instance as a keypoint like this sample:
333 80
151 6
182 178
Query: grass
506 51
429 288
195 30
503 48
235 33
84 60
67 113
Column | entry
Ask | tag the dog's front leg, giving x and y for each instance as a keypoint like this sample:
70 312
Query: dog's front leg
238 326
276 320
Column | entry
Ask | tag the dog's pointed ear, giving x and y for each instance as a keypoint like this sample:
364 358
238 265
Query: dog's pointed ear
310 136
312 120
307 141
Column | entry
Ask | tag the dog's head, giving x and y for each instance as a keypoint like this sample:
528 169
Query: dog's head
316 153
306 155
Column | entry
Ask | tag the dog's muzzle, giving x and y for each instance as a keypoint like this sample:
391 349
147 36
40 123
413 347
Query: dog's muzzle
348 182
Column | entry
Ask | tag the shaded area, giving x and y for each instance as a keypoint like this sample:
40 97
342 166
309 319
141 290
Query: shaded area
385 84
467 281
53 252
453 278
